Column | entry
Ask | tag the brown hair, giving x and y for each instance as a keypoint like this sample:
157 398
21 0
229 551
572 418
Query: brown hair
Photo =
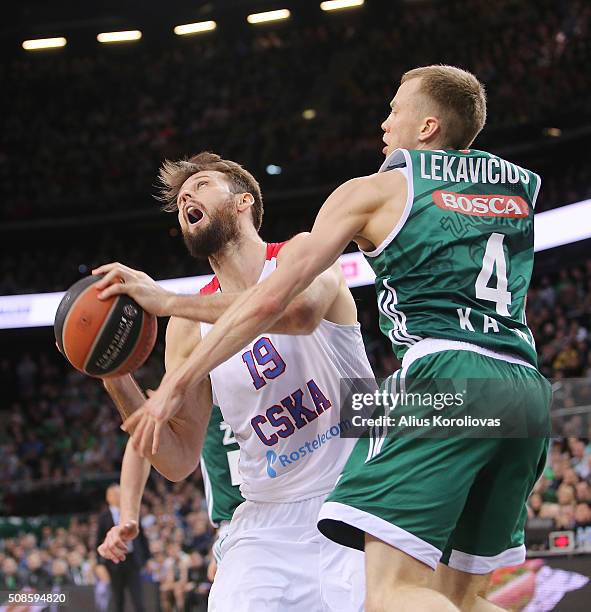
173 174
459 96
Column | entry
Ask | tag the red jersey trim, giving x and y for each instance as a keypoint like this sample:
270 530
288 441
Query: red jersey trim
211 287
273 249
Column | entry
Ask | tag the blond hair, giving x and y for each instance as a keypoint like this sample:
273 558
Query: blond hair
460 98
173 174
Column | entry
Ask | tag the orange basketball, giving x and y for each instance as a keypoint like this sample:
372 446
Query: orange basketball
103 338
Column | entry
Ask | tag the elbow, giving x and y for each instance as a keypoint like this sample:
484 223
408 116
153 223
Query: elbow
271 307
173 474
305 319
169 472
185 470
176 474
178 471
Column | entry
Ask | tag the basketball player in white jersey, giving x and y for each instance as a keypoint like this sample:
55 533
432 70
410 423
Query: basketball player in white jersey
279 394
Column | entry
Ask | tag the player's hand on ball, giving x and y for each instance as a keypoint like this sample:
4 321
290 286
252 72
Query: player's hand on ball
146 423
143 289
114 548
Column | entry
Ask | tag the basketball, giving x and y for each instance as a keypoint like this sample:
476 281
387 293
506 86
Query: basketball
103 338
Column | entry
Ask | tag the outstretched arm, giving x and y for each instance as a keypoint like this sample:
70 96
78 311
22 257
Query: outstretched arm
299 317
343 217
182 440
134 475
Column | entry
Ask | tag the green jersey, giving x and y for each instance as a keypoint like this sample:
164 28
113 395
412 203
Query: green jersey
219 466
458 264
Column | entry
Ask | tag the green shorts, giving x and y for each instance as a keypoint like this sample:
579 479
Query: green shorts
456 499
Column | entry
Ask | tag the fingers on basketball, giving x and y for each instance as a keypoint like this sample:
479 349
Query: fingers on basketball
114 276
116 288
104 269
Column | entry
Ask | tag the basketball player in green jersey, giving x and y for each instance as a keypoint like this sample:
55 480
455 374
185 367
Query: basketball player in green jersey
219 468
449 234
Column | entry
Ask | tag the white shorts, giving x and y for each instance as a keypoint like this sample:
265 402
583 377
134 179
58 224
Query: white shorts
275 559
221 535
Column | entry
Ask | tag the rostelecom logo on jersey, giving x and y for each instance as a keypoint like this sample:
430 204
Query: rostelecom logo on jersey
481 205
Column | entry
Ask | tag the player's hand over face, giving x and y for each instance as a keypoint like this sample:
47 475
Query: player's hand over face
145 424
144 290
114 548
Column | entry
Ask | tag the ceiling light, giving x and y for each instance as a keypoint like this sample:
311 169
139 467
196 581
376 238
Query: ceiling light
268 16
195 28
44 43
335 5
126 36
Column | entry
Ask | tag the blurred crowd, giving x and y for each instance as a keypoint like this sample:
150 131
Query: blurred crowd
179 536
559 314
58 426
109 116
57 556
59 433
563 493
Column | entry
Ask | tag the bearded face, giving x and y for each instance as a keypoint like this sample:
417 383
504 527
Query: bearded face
206 240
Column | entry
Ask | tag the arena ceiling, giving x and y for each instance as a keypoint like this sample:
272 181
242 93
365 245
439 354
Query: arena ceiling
39 18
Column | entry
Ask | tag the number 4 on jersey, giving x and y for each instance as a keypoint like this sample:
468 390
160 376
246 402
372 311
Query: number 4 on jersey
494 261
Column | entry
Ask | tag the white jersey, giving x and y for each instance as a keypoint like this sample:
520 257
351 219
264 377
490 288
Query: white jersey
281 397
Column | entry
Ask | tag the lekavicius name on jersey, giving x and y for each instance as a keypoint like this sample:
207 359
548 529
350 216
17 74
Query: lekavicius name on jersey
307 448
454 169
293 412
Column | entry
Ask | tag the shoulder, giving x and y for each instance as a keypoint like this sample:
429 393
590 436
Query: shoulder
177 326
366 194
182 330
390 182
282 249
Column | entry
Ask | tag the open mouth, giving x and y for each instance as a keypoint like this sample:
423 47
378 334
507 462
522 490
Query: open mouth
194 216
